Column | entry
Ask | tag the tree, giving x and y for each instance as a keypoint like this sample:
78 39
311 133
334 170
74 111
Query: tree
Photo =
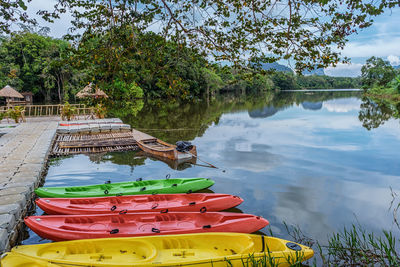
36 64
13 11
376 72
284 81
239 31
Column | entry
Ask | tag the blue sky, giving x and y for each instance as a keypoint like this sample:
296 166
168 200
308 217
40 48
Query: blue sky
382 39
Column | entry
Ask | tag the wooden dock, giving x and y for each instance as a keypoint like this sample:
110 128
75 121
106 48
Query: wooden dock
84 143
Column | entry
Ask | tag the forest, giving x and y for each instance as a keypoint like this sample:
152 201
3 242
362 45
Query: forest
162 49
54 70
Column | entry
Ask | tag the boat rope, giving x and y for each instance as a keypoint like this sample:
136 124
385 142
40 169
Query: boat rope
123 212
211 165
155 230
164 211
167 130
154 206
113 208
203 210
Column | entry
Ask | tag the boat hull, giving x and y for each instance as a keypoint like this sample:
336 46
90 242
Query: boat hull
162 149
73 227
139 203
207 249
145 187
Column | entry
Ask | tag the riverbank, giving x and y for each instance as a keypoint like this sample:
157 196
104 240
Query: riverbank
390 95
24 151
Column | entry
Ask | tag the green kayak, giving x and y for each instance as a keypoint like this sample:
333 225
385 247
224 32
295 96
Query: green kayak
166 186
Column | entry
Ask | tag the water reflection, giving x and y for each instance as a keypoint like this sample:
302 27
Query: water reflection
307 159
372 115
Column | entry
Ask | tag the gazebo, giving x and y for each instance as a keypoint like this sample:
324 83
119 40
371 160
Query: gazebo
88 92
10 94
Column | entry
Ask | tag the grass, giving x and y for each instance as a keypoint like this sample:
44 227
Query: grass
389 94
353 246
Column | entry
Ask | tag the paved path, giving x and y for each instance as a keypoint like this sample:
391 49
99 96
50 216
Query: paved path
23 155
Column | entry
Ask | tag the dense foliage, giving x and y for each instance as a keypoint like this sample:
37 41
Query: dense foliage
233 30
380 80
38 64
55 71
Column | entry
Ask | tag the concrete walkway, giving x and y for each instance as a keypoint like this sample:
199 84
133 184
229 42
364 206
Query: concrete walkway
23 155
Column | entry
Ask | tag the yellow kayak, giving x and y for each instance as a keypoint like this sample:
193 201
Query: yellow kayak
220 249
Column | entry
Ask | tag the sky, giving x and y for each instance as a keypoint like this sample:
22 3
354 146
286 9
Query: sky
382 39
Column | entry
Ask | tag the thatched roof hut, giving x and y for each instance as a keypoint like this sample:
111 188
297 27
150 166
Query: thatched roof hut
88 92
9 92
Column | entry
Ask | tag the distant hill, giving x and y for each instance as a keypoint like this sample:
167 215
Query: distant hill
275 66
312 105
319 72
264 112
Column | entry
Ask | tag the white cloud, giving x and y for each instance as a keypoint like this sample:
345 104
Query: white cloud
394 60
344 70
379 47
342 105
60 26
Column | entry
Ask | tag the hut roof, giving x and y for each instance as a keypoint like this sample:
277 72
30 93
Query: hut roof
8 91
88 92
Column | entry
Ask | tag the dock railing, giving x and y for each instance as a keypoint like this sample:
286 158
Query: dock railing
51 110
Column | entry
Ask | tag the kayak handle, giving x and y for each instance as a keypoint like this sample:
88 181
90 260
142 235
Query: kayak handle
123 211
108 182
154 193
155 230
106 192
164 211
143 188
190 191
113 208
167 176
114 231
118 195
154 206
139 179
174 185
203 210
192 203
208 226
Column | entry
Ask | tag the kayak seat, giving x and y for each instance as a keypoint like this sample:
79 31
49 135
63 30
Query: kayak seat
75 189
81 201
172 243
77 220
79 229
115 200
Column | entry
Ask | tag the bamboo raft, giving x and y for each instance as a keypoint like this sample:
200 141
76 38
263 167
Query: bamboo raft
70 144
112 141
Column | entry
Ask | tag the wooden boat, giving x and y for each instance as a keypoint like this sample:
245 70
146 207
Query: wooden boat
180 164
138 203
74 227
194 250
160 148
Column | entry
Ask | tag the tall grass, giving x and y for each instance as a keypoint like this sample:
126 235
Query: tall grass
353 246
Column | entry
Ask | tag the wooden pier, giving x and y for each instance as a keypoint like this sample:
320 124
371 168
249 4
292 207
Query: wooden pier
111 141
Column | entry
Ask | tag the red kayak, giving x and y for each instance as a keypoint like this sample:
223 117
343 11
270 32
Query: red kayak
72 227
85 123
138 203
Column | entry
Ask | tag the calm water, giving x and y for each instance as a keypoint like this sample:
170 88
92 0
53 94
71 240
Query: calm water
317 160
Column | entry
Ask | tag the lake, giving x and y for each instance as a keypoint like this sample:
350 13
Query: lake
316 160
